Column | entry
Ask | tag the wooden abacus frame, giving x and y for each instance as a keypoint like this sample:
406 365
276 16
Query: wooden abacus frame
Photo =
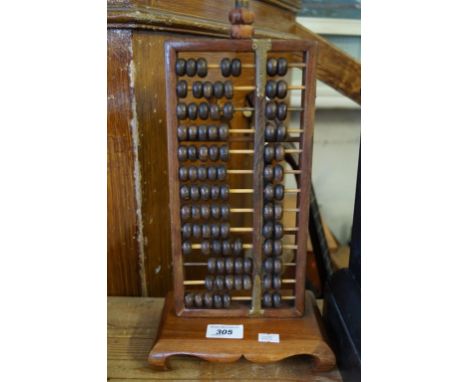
260 48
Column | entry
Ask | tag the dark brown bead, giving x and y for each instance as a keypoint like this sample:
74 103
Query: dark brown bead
225 66
267 300
203 153
226 300
215 231
214 192
183 174
282 111
204 210
185 192
229 281
281 89
201 173
229 265
277 266
191 67
272 66
196 231
224 192
186 248
218 301
279 192
268 247
216 247
266 282
195 212
205 192
237 247
202 132
228 110
213 133
192 153
270 110
203 110
188 300
225 230
228 89
279 152
247 282
281 133
224 153
276 282
221 172
181 89
223 132
268 211
227 250
236 67
207 89
276 299
247 264
182 133
192 173
225 211
181 111
192 110
213 152
197 89
205 247
194 193
215 211
270 132
185 212
215 113
267 230
212 173
208 299
278 230
238 282
192 133
220 265
278 208
268 153
282 66
202 67
209 282
180 67
278 173
277 247
238 265
198 300
268 173
269 192
270 89
206 231
218 89
219 282
186 231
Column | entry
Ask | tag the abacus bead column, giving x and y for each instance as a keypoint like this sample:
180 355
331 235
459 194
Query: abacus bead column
225 66
181 111
236 67
203 110
180 67
281 89
282 66
181 89
202 67
197 89
191 67
272 66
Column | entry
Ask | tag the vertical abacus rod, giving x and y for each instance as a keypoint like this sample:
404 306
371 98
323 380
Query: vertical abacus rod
261 48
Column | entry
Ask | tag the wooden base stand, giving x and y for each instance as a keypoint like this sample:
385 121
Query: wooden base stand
186 336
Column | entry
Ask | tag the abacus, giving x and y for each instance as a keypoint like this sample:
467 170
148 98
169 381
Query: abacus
227 184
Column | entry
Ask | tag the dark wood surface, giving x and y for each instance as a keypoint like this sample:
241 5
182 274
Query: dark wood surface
132 325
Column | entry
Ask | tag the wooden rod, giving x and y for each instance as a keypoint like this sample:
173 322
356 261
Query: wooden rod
244 210
251 171
252 131
250 66
250 151
253 109
249 246
202 282
251 190
250 229
249 298
203 264
251 87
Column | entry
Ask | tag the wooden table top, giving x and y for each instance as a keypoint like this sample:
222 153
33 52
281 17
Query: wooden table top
132 324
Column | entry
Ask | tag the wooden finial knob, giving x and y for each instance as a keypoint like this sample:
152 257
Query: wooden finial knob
241 18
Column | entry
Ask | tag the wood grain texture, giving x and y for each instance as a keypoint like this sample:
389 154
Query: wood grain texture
132 329
122 246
